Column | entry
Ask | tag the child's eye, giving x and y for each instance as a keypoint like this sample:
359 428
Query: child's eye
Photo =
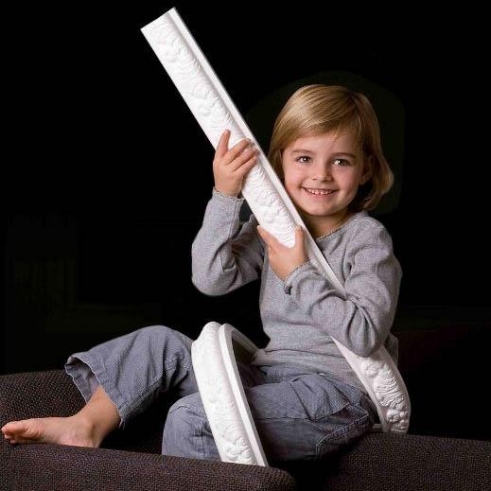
341 162
303 159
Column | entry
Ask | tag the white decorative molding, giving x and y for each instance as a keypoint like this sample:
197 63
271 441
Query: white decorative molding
215 361
383 382
212 107
214 110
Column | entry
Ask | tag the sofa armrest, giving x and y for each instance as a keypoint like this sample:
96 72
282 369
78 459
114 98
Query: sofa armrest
426 462
384 461
47 467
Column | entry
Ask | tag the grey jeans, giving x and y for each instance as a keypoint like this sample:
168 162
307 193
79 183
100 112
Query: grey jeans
299 414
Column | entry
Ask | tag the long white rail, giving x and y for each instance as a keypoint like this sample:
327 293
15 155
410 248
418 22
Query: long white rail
214 110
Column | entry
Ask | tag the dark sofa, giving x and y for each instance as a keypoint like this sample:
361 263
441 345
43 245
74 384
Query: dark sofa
447 446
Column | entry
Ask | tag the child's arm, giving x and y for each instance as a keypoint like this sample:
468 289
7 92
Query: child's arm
226 255
371 275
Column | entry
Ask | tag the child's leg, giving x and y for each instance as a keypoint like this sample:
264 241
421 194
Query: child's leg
133 369
118 379
299 415
307 416
87 428
187 432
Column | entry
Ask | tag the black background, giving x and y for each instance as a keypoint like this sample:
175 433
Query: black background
105 168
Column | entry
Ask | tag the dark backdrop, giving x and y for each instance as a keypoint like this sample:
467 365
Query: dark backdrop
106 173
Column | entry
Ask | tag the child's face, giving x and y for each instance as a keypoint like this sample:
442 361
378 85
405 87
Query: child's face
322 174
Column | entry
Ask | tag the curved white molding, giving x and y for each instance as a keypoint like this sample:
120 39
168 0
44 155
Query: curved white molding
214 110
385 386
214 356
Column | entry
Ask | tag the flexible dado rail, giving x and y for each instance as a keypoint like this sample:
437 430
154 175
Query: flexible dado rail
214 352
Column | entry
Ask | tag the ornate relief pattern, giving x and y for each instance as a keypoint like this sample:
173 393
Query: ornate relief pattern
388 390
383 382
214 110
231 428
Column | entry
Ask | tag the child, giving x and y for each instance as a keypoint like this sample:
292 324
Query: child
305 399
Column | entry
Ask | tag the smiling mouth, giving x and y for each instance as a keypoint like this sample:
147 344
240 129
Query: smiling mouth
319 192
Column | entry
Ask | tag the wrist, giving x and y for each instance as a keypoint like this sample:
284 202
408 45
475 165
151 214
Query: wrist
226 193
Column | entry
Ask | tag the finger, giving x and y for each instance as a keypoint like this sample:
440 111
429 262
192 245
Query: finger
222 146
243 168
240 151
245 161
298 234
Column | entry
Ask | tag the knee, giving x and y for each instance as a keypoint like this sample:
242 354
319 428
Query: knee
187 432
158 333
186 421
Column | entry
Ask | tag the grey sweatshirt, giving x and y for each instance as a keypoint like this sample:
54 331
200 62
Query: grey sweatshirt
302 314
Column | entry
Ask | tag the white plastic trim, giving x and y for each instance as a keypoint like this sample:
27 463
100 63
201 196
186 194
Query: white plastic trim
214 110
222 393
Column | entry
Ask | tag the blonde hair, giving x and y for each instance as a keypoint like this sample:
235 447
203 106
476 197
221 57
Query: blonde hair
317 109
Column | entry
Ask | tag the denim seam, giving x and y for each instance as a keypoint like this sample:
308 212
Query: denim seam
346 429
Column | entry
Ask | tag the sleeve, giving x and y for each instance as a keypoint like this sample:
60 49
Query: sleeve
225 254
362 320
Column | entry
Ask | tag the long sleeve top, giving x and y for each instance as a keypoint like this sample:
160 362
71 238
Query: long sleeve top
303 314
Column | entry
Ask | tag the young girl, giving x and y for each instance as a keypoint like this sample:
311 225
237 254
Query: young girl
304 397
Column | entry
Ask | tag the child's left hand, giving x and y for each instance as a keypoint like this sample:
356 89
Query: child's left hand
284 259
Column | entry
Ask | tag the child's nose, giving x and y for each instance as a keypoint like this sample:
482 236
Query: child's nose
323 172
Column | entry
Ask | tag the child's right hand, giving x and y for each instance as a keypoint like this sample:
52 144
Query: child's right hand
230 166
284 259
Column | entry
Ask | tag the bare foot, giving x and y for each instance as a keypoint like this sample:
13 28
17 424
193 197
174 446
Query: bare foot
73 431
